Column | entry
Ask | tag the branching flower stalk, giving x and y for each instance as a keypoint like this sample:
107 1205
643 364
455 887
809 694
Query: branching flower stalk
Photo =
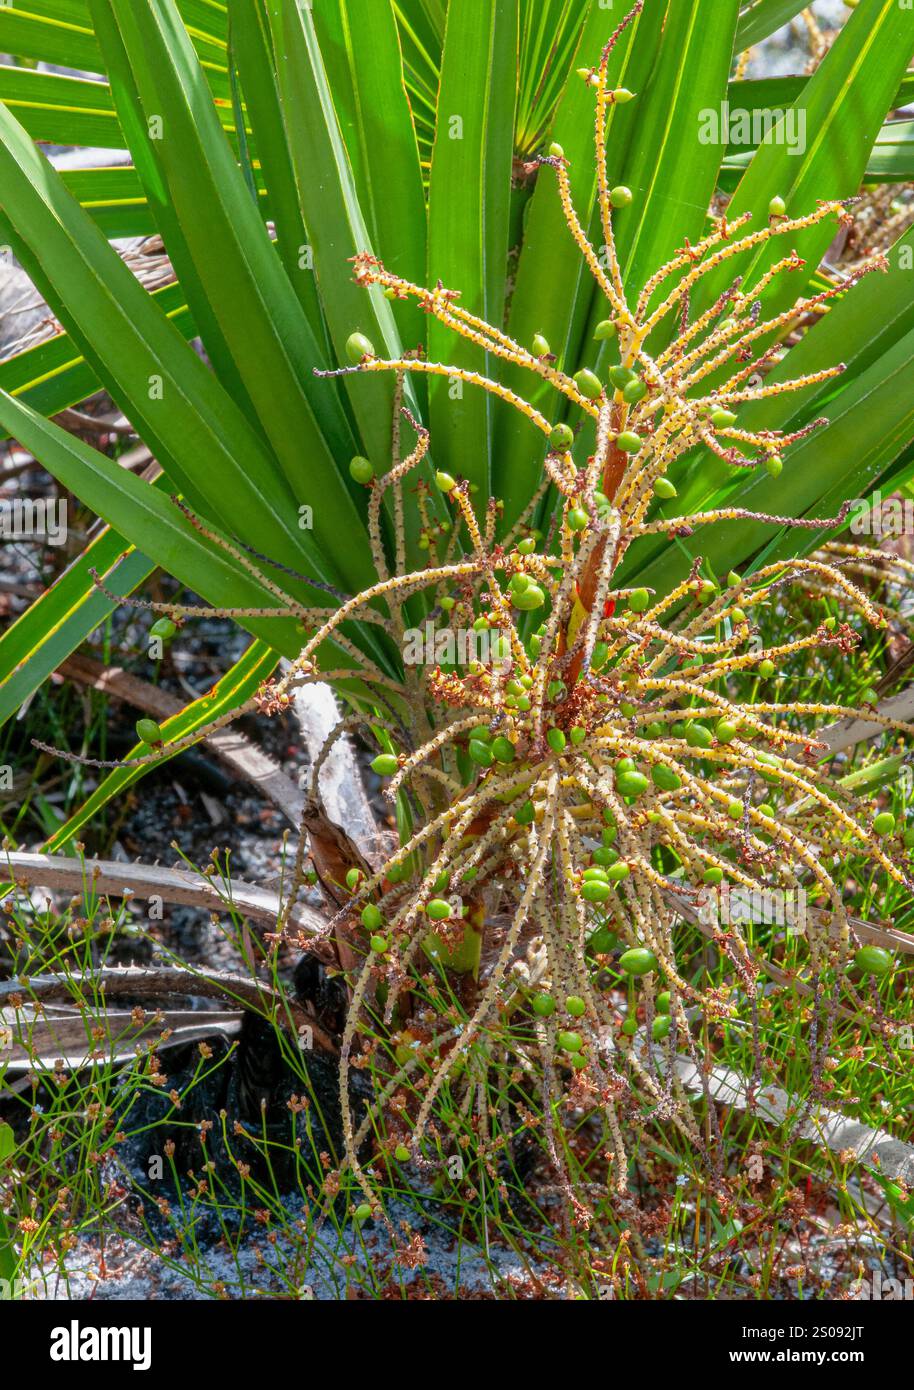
585 772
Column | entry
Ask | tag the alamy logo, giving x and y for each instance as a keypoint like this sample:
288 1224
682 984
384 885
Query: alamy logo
890 516
729 905
735 126
33 518
449 646
75 1343
882 1290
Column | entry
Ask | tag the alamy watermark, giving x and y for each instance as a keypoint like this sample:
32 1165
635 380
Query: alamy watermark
879 516
729 905
454 646
734 126
33 518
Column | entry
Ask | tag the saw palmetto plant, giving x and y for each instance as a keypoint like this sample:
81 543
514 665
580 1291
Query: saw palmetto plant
529 425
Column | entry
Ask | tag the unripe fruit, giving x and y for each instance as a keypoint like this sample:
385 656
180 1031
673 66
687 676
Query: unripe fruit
766 669
594 890
588 384
630 1027
605 329
735 810
531 598
577 735
526 815
621 376
358 346
353 877
556 740
575 1006
884 823
360 469
638 961
561 438
163 628
639 600
570 1042
362 1212
726 731
738 615
617 872
653 730
660 1027
664 489
577 519
634 392
371 917
621 95
481 753
445 482
665 778
401 1153
605 855
628 442
721 418
595 871
712 875
148 731
663 1002
777 207
632 783
626 765
540 346
556 151
873 960
378 945
620 196
543 1004
503 749
526 546
699 736
439 909
385 764
774 465
602 941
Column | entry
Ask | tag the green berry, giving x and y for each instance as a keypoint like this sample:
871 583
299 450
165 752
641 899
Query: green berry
362 1212
353 876
774 465
148 731
530 599
371 917
541 347
884 823
526 814
163 628
632 783
360 469
628 442
570 1042
556 740
634 392
385 764
664 489
630 1027
663 1002
526 546
733 578
556 151
358 346
873 960
638 961
605 329
588 384
699 736
543 1004
575 1006
378 945
445 482
766 810
726 731
621 95
665 778
735 810
577 735
401 1153
605 855
561 438
621 376
639 600
777 207
503 749
766 669
439 909
712 875
577 519
721 419
620 196
617 872
594 890
481 753
660 1027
